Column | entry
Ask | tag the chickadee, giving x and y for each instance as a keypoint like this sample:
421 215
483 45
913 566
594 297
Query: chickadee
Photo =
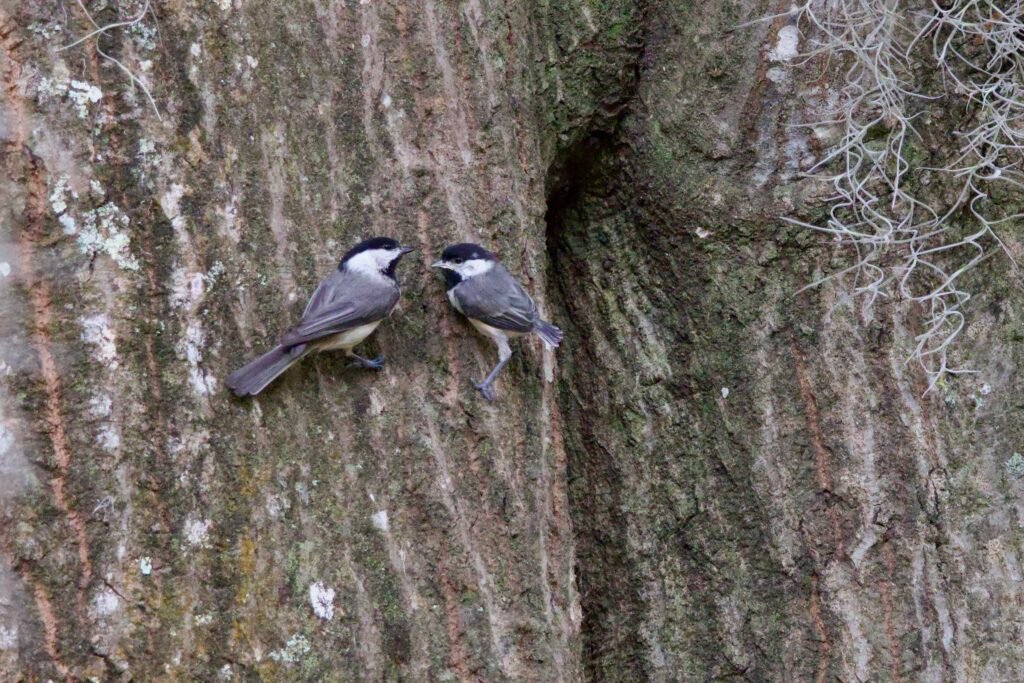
482 290
343 311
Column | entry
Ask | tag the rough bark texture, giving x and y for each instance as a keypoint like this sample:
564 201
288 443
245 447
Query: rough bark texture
724 479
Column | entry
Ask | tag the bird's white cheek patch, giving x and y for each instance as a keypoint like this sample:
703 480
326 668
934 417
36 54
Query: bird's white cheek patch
476 266
372 261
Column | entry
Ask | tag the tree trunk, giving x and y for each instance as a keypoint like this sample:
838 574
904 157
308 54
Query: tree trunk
724 478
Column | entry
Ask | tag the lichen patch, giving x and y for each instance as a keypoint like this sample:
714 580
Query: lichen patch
321 597
380 520
294 650
788 45
105 603
96 330
197 531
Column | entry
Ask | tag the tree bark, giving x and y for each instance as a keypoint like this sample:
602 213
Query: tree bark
723 479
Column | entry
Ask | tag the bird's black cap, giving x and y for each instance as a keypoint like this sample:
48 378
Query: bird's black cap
457 253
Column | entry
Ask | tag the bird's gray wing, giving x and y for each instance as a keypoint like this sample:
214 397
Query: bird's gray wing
496 299
341 302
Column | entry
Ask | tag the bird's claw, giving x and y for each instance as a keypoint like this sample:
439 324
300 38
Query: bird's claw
485 390
368 363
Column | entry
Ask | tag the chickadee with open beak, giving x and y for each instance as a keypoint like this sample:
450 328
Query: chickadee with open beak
482 290
343 311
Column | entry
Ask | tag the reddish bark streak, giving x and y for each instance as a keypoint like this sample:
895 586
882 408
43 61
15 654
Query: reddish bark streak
817 438
886 594
822 478
825 647
812 418
755 99
456 655
39 295
45 609
43 606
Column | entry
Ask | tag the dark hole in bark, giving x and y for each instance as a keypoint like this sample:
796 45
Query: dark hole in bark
583 179
568 179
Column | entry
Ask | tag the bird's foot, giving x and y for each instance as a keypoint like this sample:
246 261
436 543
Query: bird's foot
368 363
485 389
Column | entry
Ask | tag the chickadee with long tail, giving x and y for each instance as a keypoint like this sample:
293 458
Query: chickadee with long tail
343 311
482 290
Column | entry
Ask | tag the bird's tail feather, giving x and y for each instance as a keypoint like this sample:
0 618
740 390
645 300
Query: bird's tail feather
548 333
256 375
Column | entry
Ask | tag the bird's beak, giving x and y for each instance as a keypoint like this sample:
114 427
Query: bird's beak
405 250
439 264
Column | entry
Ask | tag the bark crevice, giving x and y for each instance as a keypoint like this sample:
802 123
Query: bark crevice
608 580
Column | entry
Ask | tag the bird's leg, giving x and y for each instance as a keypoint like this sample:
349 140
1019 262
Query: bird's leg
504 353
360 362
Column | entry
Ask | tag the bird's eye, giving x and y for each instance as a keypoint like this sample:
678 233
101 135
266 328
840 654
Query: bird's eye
458 259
